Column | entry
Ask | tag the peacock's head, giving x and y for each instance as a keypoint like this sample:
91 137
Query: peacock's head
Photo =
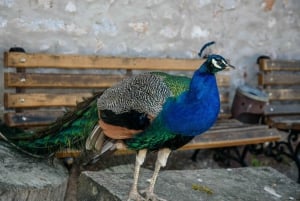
216 63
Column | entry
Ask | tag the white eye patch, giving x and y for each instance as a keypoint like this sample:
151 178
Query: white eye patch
215 63
224 62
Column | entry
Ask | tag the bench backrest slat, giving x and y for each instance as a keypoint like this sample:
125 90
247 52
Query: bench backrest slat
32 118
35 118
278 65
51 80
34 100
276 109
25 60
31 100
283 94
279 78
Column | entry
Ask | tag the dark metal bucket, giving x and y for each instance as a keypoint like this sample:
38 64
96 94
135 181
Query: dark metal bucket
248 104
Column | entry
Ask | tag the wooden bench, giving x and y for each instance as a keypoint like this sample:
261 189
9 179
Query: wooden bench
280 79
38 88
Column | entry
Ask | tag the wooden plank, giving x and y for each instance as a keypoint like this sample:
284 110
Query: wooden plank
283 94
233 137
26 60
230 143
279 65
32 118
225 123
280 109
230 132
31 100
51 80
237 128
278 78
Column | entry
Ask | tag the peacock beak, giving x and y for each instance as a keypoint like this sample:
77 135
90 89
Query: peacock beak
230 66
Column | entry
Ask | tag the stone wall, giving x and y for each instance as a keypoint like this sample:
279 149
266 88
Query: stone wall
243 30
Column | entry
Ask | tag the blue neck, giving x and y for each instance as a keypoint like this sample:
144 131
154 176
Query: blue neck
202 83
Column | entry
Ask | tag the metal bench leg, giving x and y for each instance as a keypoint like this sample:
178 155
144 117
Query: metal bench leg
226 155
289 148
194 156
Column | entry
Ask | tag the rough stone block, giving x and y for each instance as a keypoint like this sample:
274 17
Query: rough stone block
241 184
26 178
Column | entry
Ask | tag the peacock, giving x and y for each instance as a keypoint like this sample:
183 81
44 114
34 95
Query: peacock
159 112
153 111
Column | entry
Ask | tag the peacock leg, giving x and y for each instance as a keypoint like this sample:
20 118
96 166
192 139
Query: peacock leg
161 161
140 158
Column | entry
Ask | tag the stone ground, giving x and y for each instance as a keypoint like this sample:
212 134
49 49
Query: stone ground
25 178
180 160
236 184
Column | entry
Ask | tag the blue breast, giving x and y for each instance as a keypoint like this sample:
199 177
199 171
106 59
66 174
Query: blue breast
194 111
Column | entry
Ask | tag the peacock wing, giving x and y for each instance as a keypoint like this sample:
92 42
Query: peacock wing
129 107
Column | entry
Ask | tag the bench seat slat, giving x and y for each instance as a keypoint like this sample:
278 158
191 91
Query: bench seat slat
52 80
237 128
215 144
26 60
239 141
243 134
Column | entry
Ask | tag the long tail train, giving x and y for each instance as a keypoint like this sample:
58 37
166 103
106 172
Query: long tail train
68 132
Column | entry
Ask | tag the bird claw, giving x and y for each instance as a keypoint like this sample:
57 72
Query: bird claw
150 196
135 196
154 197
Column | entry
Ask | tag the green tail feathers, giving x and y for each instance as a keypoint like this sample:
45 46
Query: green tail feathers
69 131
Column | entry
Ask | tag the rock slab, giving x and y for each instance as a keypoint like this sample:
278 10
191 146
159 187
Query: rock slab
240 184
25 178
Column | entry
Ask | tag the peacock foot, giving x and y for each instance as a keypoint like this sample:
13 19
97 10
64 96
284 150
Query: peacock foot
135 196
150 196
